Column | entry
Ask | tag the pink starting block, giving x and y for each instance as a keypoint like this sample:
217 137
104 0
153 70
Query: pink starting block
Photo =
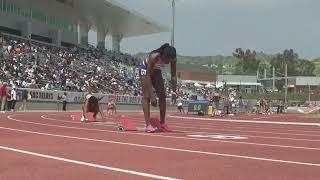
77 116
155 122
127 125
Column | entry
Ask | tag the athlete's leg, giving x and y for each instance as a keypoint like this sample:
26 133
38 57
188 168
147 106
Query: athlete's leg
84 111
115 109
158 84
101 113
146 104
146 99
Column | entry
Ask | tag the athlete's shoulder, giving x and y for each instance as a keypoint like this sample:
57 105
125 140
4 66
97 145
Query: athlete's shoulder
154 55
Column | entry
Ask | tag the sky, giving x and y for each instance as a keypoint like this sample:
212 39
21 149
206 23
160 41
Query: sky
218 27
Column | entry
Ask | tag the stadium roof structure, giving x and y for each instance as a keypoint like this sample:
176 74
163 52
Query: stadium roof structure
107 15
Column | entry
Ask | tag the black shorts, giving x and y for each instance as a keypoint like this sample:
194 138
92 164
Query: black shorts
157 83
180 107
93 104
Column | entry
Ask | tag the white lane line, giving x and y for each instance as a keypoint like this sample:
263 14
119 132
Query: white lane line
202 127
215 132
202 132
171 149
228 130
275 116
247 121
88 164
166 136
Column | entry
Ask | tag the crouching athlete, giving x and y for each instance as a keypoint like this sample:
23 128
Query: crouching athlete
151 77
91 104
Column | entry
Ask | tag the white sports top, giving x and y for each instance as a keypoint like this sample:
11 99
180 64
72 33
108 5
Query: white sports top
88 96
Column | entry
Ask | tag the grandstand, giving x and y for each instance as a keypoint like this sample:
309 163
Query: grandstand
67 22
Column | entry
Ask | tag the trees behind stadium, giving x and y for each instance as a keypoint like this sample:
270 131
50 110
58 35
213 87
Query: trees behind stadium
249 64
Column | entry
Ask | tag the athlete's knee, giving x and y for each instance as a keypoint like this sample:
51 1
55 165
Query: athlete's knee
145 100
162 96
162 100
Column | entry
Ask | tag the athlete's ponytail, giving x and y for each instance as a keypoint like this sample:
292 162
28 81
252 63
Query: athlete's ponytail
167 51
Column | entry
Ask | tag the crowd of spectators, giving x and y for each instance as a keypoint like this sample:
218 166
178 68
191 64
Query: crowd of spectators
30 64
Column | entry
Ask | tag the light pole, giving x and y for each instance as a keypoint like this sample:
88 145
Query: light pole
173 21
286 84
309 93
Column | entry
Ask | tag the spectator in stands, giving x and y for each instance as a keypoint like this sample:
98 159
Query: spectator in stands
9 100
34 65
280 107
241 105
180 106
216 99
64 101
3 95
13 98
226 104
24 99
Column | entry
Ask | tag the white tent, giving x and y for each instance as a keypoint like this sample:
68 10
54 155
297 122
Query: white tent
197 85
209 86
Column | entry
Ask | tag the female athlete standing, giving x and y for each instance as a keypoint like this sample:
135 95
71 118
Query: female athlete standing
111 107
151 77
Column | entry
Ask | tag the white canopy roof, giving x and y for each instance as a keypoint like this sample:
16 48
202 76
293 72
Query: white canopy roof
108 15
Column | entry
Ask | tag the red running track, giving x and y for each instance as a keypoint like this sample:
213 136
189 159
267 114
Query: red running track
53 146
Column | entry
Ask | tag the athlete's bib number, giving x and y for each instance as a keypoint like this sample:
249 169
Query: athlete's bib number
143 72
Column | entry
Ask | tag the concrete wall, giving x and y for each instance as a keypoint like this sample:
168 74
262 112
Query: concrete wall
33 106
197 76
10 21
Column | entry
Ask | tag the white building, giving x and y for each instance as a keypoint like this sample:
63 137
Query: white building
244 83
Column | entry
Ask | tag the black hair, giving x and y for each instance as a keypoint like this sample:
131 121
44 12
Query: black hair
167 51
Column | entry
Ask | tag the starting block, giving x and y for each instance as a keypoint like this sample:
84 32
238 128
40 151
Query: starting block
155 123
126 125
77 116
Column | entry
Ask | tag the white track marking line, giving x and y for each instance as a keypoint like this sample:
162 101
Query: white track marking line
244 131
87 164
202 126
229 141
172 149
203 132
248 121
215 129
100 124
274 116
173 137
176 123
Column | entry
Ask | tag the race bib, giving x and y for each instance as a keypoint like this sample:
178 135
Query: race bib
143 72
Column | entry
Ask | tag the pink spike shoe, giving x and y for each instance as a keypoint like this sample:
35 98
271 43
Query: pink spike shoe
150 129
164 127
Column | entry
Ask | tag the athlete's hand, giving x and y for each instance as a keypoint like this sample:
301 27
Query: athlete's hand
153 100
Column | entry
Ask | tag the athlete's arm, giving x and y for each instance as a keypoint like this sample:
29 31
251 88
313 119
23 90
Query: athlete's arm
153 61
